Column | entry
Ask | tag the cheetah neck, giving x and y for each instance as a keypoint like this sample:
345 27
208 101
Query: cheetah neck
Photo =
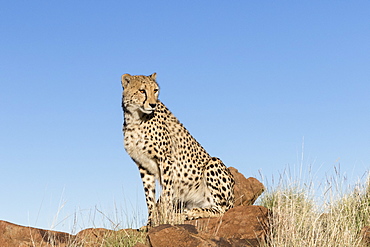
133 116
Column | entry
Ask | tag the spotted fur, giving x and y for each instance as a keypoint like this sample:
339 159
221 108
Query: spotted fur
191 180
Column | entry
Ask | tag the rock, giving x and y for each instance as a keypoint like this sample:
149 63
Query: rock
182 235
246 190
241 226
178 235
12 235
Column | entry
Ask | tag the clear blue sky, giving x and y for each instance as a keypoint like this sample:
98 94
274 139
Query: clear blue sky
251 80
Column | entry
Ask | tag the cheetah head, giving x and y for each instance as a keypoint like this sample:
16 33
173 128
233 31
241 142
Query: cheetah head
140 93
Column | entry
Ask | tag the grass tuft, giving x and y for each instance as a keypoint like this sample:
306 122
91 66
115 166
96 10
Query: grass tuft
125 238
301 218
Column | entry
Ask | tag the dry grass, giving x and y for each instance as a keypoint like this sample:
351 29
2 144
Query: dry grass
301 218
166 214
124 239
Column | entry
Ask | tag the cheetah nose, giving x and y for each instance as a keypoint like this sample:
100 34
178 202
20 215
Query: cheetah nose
153 105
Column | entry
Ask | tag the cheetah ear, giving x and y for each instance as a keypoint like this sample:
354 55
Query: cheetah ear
125 80
153 76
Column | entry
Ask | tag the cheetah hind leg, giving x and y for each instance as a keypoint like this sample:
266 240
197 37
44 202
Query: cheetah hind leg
220 183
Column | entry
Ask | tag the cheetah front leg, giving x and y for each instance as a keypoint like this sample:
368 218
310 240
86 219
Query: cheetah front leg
149 188
220 183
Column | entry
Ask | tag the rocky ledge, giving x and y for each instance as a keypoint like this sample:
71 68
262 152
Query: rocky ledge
243 225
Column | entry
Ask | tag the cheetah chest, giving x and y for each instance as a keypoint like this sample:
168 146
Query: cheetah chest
137 146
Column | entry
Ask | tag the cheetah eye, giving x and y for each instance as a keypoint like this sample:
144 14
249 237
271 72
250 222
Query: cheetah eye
142 91
155 90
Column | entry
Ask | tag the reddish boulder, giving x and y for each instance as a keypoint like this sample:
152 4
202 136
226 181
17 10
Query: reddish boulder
12 235
15 235
241 226
182 236
178 235
246 190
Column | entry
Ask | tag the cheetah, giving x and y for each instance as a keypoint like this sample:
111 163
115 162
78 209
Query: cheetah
192 181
